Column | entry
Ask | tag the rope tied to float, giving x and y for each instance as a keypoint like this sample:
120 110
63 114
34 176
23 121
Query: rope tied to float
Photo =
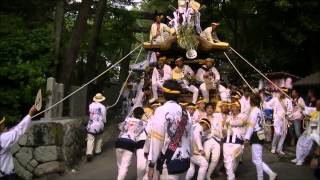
86 84
125 82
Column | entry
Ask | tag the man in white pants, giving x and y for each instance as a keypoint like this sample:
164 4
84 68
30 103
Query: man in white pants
212 147
160 74
309 136
7 140
95 126
255 136
233 143
170 138
282 109
131 139
184 74
198 157
209 77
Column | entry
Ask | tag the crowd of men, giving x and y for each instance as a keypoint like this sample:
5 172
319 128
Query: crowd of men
170 139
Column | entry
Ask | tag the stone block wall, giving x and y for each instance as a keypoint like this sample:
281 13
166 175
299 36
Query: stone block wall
49 147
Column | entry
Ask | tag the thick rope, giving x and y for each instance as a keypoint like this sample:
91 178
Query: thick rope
125 82
238 72
263 118
77 90
264 76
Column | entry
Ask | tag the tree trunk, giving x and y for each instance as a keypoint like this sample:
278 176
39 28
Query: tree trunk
124 65
75 43
58 28
92 65
93 42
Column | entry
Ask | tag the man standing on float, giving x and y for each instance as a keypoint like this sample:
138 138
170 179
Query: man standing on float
209 77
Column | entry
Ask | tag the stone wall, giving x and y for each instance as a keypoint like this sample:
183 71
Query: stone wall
49 147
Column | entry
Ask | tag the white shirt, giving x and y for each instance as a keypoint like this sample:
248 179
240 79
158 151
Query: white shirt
197 115
235 126
217 125
245 105
162 29
224 93
255 122
163 126
281 108
7 140
298 107
197 137
97 118
209 35
201 72
167 74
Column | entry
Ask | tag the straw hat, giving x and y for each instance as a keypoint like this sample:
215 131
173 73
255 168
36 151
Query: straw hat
2 120
98 97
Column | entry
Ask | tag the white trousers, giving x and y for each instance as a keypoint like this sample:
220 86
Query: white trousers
257 160
166 176
231 157
204 91
94 144
195 93
141 164
280 133
304 146
123 162
211 147
203 166
155 86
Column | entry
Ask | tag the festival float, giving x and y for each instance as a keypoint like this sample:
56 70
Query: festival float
182 38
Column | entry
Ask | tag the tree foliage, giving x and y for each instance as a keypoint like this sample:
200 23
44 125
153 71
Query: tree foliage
25 60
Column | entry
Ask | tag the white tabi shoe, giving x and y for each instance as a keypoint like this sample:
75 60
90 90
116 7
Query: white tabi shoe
299 163
273 151
294 160
273 176
281 153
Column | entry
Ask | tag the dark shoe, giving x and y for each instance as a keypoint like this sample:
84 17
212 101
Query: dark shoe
89 158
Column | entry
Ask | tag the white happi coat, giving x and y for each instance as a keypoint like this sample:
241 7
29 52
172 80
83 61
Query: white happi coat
282 109
313 129
97 118
186 71
297 112
209 35
197 115
163 127
217 125
153 32
245 105
198 136
167 74
7 140
255 122
224 93
201 72
133 129
236 127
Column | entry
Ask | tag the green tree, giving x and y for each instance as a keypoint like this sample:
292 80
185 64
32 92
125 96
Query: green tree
25 59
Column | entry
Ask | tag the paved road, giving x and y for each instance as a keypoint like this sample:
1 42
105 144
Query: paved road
104 167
